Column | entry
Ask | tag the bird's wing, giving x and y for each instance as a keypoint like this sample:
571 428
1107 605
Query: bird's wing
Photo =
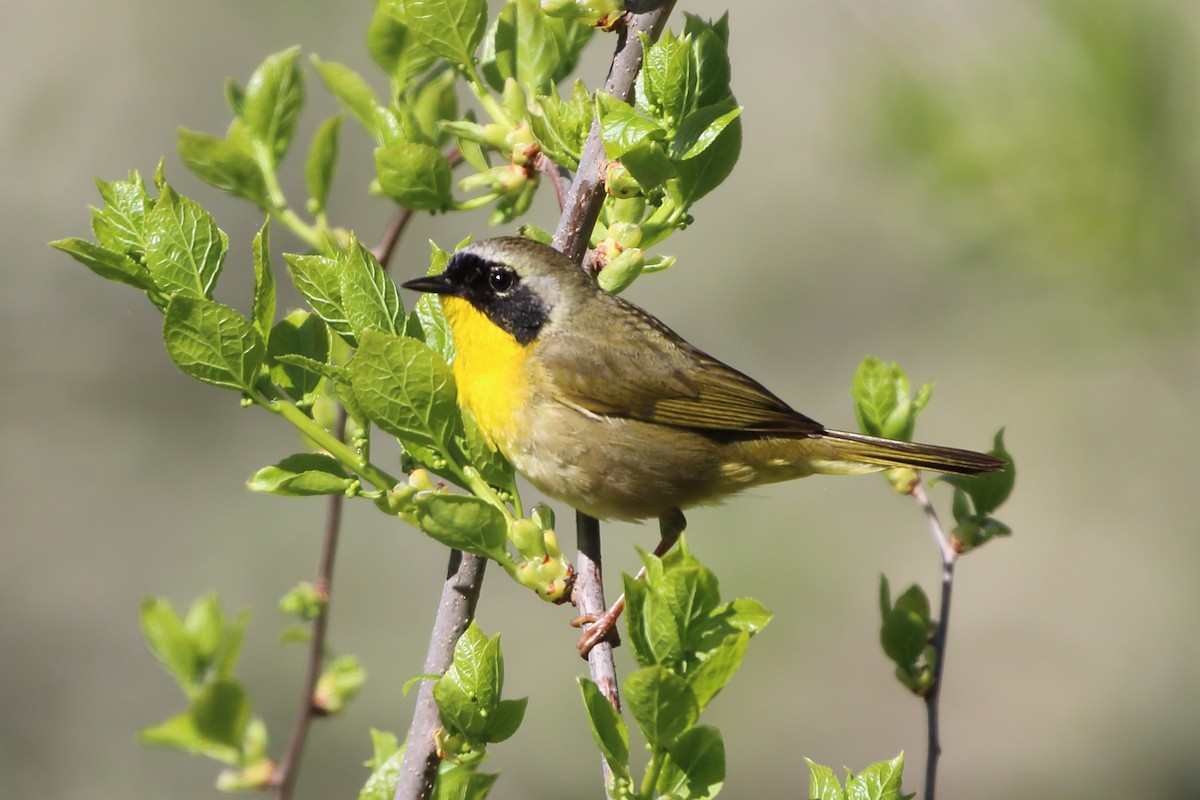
646 371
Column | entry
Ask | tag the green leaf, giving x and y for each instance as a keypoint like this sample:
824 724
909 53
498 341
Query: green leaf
462 783
407 390
661 703
321 163
225 164
368 296
385 770
451 29
273 99
561 126
180 733
879 781
213 343
394 48
637 616
359 99
263 312
505 720
302 475
107 264
710 42
235 97
989 490
221 712
700 129
121 225
225 658
695 765
668 81
463 522
823 784
204 625
184 247
710 676
608 728
435 101
904 635
338 684
319 281
301 334
746 614
414 175
165 636
469 693
882 401
622 128
705 171
649 164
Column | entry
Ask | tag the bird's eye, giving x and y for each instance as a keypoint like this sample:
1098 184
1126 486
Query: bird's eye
500 279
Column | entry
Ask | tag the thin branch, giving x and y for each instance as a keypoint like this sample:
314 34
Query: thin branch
284 776
581 210
932 697
455 611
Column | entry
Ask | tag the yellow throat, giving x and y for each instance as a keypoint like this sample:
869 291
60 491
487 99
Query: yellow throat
489 370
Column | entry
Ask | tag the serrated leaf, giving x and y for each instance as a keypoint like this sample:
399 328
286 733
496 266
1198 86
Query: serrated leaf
368 296
468 693
710 43
302 475
394 48
622 128
695 765
213 343
406 388
184 247
385 769
318 279
414 175
165 636
322 163
823 783
121 225
608 728
668 81
263 312
224 164
746 614
879 781
451 29
107 264
273 98
298 334
463 522
661 703
561 126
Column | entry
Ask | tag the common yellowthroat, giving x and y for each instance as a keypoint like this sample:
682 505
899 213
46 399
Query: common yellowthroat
601 405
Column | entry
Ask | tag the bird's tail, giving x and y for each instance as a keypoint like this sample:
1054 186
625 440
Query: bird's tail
856 452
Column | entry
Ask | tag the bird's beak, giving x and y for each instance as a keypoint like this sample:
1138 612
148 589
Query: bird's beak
435 284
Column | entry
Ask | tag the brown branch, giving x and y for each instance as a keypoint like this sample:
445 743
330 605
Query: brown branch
581 210
285 774
455 611
933 696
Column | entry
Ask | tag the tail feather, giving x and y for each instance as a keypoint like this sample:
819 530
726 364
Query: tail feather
863 449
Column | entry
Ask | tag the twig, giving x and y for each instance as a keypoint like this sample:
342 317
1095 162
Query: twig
581 208
455 611
285 774
949 557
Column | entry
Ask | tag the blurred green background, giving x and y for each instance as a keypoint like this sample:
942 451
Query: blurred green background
1000 195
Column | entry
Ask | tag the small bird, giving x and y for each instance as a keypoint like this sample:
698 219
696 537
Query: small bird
601 405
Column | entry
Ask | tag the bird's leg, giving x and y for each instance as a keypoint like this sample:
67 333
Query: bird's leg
670 526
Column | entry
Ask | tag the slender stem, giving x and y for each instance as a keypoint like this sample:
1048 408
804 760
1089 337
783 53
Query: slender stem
289 766
933 696
391 236
581 208
455 612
